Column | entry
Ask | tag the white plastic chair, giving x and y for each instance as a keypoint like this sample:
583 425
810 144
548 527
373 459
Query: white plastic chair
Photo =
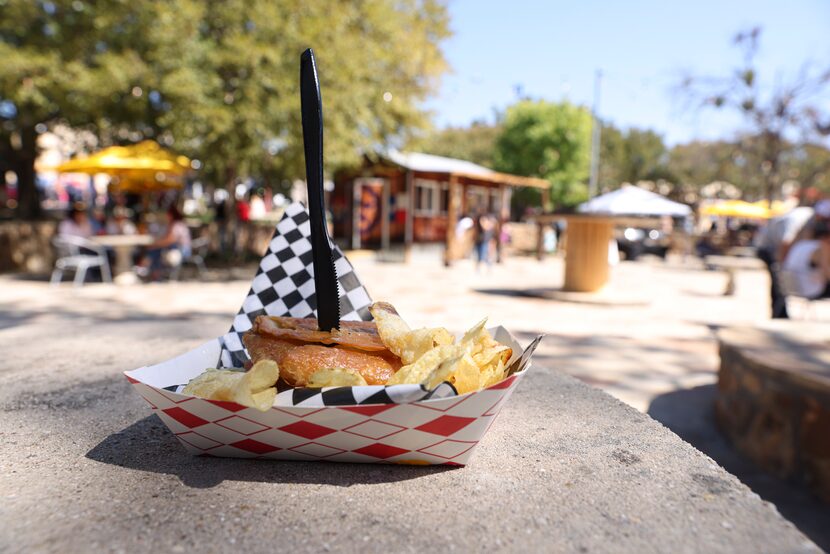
198 251
79 254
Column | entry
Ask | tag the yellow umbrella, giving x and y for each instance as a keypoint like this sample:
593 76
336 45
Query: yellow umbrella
737 208
778 207
142 166
132 181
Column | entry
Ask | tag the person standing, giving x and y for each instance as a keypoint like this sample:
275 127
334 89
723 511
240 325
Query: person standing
485 229
808 261
774 242
221 218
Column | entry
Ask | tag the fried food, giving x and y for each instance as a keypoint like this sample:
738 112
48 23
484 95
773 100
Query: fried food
461 372
405 343
335 377
298 360
254 388
357 335
425 365
383 352
476 362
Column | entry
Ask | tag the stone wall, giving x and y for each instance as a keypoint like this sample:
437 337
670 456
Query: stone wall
775 408
25 246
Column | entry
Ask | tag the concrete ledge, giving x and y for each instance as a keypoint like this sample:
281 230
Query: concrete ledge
565 468
774 398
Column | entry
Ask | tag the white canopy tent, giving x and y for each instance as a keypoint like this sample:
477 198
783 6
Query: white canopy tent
634 201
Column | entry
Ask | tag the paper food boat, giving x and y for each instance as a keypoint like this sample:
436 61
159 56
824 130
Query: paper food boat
405 424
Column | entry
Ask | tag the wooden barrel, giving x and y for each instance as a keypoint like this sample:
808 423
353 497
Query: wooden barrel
586 260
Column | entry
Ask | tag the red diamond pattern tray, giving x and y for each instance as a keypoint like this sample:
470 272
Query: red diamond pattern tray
441 431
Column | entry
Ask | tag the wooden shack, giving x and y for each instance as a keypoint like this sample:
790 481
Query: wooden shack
412 198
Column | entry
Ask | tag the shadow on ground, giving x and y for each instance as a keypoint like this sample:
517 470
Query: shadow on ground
19 313
690 413
147 445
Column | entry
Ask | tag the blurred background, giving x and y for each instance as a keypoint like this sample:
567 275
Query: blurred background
698 102
645 182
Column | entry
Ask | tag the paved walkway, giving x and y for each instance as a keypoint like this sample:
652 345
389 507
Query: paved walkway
660 358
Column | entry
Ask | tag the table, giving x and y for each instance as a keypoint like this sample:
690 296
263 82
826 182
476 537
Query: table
587 239
123 245
586 258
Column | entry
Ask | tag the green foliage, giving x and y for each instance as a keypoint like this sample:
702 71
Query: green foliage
702 162
551 141
809 165
781 118
475 143
631 156
218 79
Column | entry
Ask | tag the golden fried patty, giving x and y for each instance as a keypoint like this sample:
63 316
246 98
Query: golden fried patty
297 362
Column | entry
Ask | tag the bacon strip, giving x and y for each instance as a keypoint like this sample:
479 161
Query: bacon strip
358 335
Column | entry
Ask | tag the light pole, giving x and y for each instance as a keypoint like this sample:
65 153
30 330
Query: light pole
595 136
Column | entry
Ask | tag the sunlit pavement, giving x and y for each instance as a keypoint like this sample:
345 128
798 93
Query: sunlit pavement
659 356
634 352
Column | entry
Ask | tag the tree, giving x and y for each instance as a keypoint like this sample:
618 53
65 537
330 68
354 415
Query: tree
699 163
612 159
631 156
779 118
551 141
84 64
475 143
809 165
377 61
215 80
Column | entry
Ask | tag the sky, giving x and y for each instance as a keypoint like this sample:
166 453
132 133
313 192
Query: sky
553 49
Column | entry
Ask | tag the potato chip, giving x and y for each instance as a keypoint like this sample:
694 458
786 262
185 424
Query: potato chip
492 374
476 333
402 341
489 354
461 372
335 377
254 388
442 373
214 384
430 357
426 364
467 377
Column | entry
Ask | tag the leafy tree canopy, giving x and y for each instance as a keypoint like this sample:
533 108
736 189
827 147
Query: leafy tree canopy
630 156
475 143
216 79
548 140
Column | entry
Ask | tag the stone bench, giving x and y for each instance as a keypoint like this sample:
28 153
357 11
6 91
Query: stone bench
774 398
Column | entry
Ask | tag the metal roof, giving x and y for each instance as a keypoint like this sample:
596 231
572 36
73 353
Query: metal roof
416 161
429 163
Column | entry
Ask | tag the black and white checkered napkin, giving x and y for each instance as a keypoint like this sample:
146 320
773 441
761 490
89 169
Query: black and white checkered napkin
284 286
